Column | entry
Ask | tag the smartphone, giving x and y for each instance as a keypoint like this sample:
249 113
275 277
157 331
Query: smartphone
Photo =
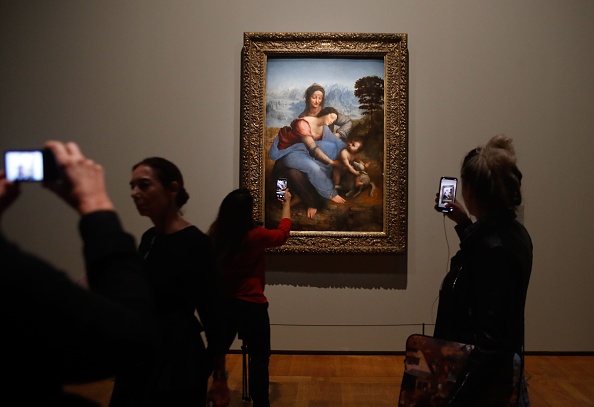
281 186
447 193
30 165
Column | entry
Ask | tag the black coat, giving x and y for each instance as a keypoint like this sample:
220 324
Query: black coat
482 302
55 332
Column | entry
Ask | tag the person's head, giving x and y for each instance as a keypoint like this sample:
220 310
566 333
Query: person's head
234 221
328 115
314 96
236 208
491 181
157 186
356 144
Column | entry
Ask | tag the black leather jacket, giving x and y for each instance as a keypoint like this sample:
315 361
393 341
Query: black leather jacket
482 302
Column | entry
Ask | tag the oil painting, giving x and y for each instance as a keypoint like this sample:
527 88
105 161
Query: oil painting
328 120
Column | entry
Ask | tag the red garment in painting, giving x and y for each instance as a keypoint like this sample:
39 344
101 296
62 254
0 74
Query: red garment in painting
289 135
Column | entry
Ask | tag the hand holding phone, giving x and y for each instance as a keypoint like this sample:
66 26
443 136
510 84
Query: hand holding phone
446 193
9 192
281 187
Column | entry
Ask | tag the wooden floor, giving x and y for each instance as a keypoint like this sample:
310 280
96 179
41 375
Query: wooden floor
349 381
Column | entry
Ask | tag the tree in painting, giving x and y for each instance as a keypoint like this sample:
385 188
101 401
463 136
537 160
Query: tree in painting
370 91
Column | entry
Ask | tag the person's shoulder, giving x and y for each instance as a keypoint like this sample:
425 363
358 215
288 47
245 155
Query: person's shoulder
191 239
502 235
256 230
149 233
259 233
193 230
300 121
194 233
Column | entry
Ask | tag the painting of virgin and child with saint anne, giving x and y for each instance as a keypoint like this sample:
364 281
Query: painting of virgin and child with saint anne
325 135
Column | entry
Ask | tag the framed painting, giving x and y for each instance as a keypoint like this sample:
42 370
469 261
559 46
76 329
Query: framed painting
325 115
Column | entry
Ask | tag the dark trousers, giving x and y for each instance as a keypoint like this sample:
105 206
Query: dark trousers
251 322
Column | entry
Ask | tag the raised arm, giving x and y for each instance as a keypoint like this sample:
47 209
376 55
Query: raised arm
9 192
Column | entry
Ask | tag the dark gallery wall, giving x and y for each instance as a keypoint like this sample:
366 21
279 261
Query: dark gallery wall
133 78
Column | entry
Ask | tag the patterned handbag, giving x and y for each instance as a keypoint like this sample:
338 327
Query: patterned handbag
432 366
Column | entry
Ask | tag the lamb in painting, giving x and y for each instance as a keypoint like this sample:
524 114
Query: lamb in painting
363 180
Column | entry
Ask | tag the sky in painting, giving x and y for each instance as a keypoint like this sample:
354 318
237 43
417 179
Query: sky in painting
283 73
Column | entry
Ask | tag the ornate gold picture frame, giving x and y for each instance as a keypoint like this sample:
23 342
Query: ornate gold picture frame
359 79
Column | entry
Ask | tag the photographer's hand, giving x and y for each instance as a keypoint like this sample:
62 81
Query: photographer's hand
9 192
286 212
458 213
82 181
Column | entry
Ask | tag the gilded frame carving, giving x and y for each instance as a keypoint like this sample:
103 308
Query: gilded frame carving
258 47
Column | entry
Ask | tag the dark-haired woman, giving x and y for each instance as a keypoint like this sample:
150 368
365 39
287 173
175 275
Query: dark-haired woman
482 298
179 265
239 246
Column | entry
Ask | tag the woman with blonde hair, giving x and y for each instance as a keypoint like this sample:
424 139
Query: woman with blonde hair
482 297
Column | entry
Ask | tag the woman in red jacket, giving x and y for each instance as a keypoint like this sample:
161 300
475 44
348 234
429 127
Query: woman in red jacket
239 246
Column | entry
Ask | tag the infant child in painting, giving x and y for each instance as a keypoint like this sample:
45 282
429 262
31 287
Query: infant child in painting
346 157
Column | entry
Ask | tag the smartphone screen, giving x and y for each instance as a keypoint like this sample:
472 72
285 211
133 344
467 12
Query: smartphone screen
30 165
447 193
281 186
24 165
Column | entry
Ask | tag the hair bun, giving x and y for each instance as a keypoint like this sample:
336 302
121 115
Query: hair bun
492 172
182 197
499 152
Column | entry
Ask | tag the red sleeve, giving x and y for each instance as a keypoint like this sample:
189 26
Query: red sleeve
267 238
